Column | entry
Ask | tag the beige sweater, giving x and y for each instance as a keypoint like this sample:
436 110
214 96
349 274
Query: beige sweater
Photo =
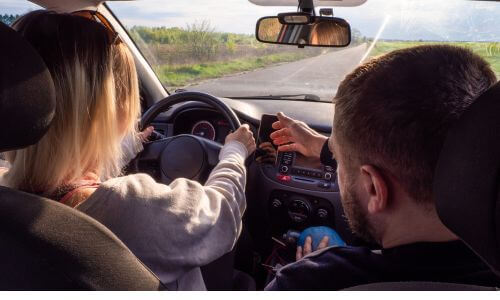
174 229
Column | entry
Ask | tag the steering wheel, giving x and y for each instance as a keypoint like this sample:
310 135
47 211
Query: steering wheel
185 155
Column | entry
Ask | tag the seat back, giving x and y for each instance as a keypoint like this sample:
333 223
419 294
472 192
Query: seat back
49 246
467 178
419 286
27 95
44 244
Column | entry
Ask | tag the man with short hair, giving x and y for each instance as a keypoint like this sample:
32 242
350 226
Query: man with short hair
391 118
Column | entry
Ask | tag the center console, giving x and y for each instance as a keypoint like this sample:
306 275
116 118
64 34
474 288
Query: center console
293 169
301 192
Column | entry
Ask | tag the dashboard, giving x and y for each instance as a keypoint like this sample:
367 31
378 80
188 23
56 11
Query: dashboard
283 197
278 199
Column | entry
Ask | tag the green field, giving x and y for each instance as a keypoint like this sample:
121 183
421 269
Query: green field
489 51
174 76
186 56
181 75
183 56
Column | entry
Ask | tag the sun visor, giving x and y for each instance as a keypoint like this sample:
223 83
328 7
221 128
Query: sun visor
316 2
68 6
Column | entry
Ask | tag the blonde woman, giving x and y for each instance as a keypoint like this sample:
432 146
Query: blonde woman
173 229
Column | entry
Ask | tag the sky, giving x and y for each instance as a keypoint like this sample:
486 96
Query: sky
406 19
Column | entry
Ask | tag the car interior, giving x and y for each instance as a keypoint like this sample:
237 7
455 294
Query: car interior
285 194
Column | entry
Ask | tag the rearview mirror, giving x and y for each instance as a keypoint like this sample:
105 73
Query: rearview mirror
301 30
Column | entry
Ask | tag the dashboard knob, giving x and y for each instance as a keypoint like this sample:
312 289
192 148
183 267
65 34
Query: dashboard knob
328 176
284 169
299 210
322 213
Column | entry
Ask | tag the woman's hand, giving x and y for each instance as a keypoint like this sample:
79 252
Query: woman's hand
293 135
243 135
308 247
144 135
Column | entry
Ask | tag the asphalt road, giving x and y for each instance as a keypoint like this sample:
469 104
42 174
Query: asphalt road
318 75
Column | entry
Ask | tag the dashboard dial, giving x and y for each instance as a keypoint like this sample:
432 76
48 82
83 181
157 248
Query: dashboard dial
204 129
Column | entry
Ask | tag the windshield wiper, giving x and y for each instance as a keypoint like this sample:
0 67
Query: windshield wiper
296 97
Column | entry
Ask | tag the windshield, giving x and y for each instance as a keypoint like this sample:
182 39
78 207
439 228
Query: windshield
210 46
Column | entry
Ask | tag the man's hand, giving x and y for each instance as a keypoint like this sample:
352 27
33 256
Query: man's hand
243 135
293 135
308 247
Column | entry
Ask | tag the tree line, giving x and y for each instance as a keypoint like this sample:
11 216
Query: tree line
8 19
200 42
197 42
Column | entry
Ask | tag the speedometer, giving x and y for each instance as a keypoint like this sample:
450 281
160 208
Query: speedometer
204 129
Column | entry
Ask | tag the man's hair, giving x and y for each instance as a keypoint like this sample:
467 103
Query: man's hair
394 111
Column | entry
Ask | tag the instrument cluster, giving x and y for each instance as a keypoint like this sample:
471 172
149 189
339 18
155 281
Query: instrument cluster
204 123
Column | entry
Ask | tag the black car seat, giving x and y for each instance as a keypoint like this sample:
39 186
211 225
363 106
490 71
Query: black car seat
467 178
467 189
45 245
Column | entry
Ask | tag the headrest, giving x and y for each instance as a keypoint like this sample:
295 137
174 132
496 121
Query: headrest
467 178
27 95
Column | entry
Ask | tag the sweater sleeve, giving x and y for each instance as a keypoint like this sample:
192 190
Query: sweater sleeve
175 228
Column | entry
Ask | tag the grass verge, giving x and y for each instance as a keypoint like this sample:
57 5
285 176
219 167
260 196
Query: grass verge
181 75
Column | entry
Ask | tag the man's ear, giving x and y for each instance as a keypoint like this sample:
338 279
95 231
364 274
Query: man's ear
376 188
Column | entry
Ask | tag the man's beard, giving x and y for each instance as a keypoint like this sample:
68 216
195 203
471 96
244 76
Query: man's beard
357 217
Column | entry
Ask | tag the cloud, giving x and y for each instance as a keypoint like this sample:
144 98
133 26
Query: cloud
237 16
427 19
410 19
16 7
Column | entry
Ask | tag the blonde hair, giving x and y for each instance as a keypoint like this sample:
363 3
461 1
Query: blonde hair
127 87
97 103
327 33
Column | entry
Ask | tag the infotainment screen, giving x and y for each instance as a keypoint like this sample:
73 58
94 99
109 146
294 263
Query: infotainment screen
307 162
289 168
267 151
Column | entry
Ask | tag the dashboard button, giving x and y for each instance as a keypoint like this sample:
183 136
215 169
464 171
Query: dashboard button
324 185
285 178
284 169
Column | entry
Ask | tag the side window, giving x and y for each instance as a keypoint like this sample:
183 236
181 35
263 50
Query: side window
11 10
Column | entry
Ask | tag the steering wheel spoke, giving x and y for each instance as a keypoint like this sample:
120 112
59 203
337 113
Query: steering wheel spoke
212 149
153 150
